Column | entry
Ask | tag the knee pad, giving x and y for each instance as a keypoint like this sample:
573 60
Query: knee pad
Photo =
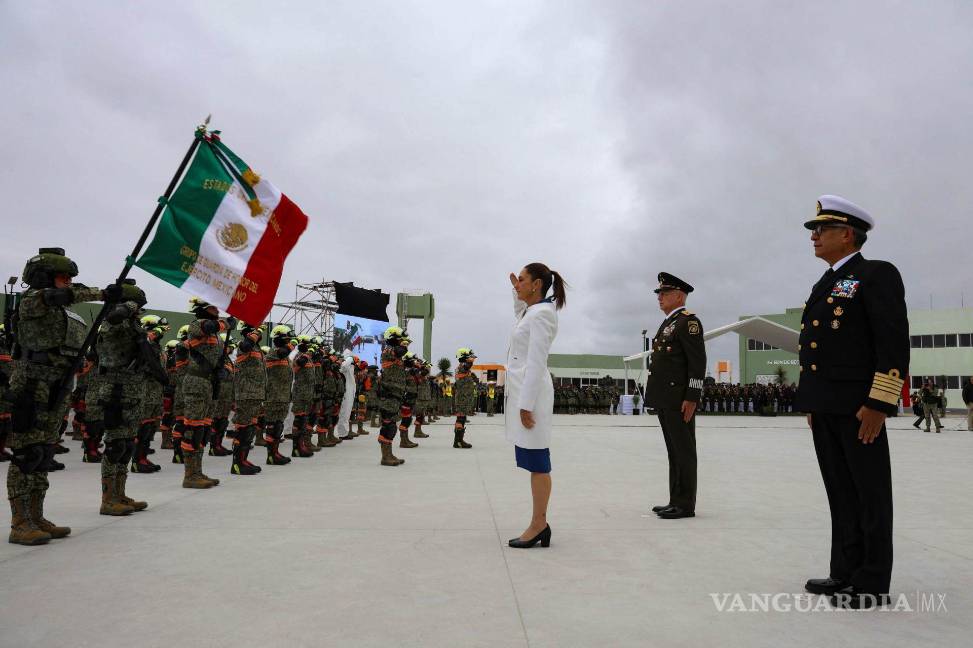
129 450
405 423
30 458
115 450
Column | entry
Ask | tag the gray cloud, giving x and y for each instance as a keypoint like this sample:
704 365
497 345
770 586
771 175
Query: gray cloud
443 145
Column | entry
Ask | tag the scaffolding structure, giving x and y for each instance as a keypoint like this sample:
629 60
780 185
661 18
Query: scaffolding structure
312 311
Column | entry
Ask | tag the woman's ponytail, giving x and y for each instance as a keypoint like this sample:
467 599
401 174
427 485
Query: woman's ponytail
560 296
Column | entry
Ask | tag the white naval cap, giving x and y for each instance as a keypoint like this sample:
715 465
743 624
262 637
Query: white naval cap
835 209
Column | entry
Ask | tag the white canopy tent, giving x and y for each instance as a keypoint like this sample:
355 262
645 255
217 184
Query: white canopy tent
756 328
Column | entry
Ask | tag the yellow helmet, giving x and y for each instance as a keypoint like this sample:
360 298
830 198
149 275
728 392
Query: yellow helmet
465 353
394 333
281 330
265 349
183 332
172 344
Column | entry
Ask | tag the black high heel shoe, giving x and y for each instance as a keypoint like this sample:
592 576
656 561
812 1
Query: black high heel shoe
544 537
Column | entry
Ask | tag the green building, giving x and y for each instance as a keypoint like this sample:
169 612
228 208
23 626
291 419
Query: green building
941 341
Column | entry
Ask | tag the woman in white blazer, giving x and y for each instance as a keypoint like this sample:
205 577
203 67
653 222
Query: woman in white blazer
528 390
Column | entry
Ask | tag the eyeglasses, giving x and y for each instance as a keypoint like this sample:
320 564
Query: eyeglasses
821 228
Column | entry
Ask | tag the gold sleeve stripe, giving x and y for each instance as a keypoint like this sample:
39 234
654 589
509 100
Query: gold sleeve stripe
883 396
891 384
886 387
885 379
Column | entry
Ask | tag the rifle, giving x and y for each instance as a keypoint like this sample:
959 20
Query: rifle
9 307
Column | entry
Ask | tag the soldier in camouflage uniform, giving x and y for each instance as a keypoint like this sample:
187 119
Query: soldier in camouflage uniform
179 357
249 392
361 402
223 402
78 400
94 426
371 397
330 390
6 368
409 397
302 397
424 399
124 370
391 391
155 329
168 396
465 392
278 393
197 387
49 338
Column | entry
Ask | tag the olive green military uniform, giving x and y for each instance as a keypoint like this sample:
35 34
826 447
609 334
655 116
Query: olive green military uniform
676 372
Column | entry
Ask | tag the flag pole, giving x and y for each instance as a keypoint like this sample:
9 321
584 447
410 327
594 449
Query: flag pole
61 393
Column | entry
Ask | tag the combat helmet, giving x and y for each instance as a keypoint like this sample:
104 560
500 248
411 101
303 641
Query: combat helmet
45 265
132 293
395 335
199 307
183 332
172 344
464 354
154 321
281 335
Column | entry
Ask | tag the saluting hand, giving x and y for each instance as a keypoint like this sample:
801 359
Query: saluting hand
872 422
527 419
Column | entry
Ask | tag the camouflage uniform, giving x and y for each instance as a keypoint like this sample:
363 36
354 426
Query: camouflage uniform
119 394
361 401
491 396
196 393
50 338
277 401
151 410
424 404
179 359
222 408
6 369
371 397
302 396
249 391
330 403
391 393
465 394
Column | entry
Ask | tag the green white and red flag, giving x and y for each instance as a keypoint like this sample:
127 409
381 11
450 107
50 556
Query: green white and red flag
225 234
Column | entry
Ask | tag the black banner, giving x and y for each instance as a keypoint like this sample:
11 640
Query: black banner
360 302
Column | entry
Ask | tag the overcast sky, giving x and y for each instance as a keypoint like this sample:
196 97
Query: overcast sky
442 145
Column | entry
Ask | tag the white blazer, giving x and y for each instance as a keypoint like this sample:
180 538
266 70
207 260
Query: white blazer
527 384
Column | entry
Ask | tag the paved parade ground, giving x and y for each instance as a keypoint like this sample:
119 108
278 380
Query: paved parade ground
338 551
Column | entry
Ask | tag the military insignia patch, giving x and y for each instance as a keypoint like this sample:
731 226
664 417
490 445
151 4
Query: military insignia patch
667 331
835 324
694 328
839 311
845 288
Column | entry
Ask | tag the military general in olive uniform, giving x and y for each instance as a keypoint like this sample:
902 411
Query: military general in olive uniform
854 356
674 386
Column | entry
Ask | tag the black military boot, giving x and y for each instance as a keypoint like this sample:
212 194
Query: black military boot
216 434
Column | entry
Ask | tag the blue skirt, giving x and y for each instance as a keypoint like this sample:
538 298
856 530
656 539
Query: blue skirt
536 460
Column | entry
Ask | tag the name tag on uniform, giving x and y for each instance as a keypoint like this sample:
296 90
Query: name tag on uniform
845 288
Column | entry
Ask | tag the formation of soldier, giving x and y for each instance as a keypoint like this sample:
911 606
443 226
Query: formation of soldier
587 399
750 398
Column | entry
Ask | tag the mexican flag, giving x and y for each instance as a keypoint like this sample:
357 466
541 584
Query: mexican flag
225 233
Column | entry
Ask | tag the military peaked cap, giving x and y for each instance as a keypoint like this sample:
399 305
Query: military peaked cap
836 210
672 282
